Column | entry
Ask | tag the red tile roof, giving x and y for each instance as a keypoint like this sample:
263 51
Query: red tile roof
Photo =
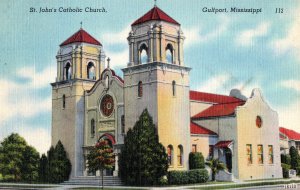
291 134
223 144
212 98
155 14
218 110
81 36
197 129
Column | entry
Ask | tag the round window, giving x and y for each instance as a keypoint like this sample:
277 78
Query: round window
258 121
107 105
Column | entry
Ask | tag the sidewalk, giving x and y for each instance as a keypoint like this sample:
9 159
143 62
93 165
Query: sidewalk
196 186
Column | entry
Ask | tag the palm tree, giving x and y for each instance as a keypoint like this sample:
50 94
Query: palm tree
215 165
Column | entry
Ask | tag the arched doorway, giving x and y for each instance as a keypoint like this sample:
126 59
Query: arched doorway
228 158
111 141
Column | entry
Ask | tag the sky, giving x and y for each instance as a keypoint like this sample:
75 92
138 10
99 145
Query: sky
224 50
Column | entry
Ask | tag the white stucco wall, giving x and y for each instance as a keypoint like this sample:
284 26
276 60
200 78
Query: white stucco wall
249 133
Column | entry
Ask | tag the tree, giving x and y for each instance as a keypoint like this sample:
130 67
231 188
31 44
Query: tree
143 160
18 161
101 157
59 166
215 165
30 165
196 160
294 158
43 169
50 154
286 159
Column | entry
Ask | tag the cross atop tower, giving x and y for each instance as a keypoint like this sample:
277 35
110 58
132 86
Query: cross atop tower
81 25
155 3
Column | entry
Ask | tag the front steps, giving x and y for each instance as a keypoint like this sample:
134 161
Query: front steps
94 181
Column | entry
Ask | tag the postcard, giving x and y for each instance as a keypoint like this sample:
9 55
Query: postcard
150 93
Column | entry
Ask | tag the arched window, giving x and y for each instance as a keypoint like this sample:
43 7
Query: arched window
169 54
91 71
122 124
140 89
170 155
64 101
180 155
107 81
68 71
173 88
92 127
143 54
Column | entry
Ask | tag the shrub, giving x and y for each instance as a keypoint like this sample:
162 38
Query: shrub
9 178
286 159
285 170
298 170
185 177
196 160
198 176
1 177
294 157
163 180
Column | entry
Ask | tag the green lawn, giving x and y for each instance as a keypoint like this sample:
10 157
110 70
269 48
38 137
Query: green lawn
230 186
105 188
25 186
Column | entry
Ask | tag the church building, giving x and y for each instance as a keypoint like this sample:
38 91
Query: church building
91 102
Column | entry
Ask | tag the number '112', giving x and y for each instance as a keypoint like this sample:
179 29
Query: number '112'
279 10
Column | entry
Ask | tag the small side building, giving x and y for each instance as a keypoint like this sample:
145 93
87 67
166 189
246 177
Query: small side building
241 132
289 138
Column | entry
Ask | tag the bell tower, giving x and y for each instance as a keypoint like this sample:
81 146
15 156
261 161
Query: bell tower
156 79
80 62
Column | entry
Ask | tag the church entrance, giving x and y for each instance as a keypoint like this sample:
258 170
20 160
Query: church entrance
111 141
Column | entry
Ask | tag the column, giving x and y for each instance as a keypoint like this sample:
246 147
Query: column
150 49
116 171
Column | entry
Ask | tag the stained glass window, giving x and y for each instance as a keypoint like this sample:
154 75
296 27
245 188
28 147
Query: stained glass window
249 153
260 155
270 147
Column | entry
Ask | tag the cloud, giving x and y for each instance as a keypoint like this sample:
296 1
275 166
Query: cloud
224 83
292 84
194 35
118 58
248 37
112 38
37 136
23 99
38 79
290 42
289 115
215 84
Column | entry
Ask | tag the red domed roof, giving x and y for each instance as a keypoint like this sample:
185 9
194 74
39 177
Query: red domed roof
155 14
81 36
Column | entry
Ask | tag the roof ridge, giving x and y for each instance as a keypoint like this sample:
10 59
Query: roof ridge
155 14
212 93
81 36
